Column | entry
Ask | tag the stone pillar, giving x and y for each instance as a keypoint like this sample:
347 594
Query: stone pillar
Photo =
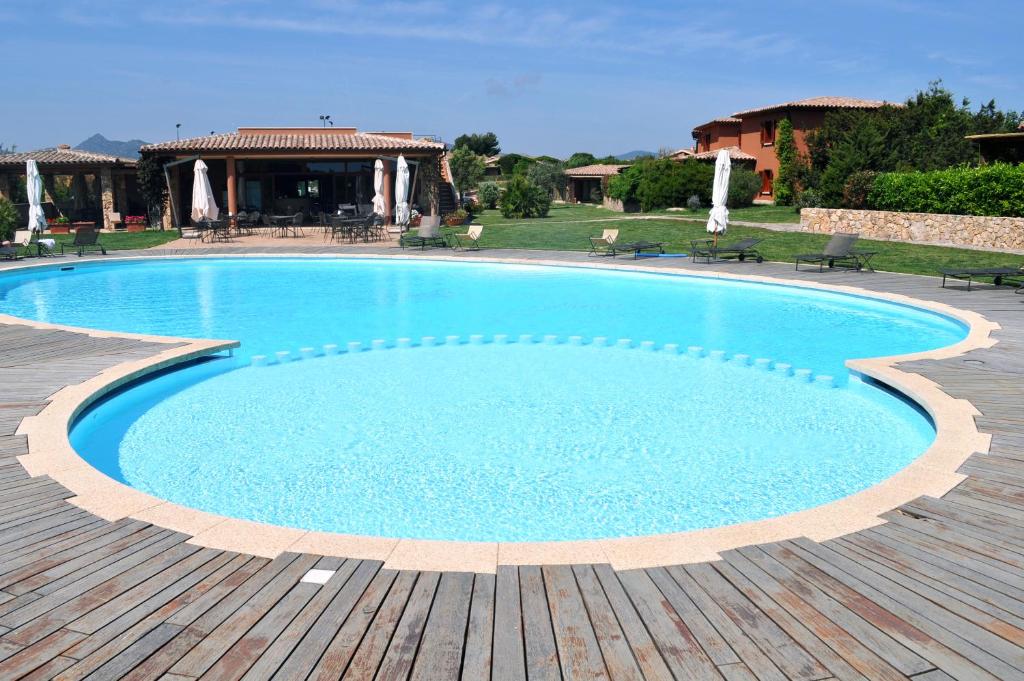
388 190
232 186
106 196
173 207
122 195
5 186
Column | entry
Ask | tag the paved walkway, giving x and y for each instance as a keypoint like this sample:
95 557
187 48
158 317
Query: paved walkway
937 592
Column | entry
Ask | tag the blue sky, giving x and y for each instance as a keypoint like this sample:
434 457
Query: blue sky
546 77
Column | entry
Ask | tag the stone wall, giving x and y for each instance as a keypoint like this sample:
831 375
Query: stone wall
951 230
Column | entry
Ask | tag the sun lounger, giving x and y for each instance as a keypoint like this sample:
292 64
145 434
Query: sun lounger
839 252
472 237
428 234
999 275
741 250
637 247
602 245
85 240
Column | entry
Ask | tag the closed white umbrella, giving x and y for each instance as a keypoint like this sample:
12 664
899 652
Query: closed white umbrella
34 186
402 192
379 207
203 205
719 219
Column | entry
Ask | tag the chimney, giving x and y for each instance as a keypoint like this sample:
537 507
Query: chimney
63 147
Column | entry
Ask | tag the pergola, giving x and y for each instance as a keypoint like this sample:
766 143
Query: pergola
100 184
290 170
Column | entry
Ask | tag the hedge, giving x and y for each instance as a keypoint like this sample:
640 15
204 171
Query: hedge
996 189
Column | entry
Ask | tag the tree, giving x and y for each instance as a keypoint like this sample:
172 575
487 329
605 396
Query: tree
8 219
8 150
489 194
467 168
152 186
508 163
482 144
548 176
662 183
580 159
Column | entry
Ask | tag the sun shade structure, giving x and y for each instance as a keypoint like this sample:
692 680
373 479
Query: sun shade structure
379 203
719 218
402 192
203 205
34 187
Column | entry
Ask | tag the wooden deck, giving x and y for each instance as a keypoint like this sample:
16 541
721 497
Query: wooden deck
935 593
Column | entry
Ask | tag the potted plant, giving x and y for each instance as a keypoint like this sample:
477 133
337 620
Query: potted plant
415 218
61 225
456 217
135 223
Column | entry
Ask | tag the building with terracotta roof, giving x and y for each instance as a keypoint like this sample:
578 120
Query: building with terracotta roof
93 187
312 170
589 184
1005 147
752 133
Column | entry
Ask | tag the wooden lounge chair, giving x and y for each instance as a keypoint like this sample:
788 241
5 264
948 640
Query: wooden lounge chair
472 237
741 250
22 240
999 275
839 252
85 240
602 245
428 234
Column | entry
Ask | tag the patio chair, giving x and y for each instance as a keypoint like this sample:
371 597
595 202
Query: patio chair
22 239
428 234
999 275
603 245
85 240
839 252
741 250
472 237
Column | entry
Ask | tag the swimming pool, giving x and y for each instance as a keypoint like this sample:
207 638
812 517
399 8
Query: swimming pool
526 419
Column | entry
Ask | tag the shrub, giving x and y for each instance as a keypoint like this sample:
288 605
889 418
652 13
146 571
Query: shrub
744 185
489 193
808 198
786 152
996 189
149 175
8 219
524 199
596 195
662 183
467 168
857 188
693 203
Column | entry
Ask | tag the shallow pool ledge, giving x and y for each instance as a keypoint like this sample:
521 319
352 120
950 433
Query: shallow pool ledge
933 473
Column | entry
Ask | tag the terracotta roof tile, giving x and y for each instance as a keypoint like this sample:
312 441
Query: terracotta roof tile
63 155
600 170
293 141
735 154
728 120
819 103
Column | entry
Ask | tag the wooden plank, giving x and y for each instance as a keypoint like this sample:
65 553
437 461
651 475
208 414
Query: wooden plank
401 652
578 651
541 652
675 641
720 652
444 635
611 639
39 653
367 657
476 663
509 663
331 642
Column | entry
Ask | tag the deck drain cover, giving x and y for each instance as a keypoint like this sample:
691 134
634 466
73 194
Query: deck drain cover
317 576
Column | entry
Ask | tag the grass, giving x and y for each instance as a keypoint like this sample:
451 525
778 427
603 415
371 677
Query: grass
120 241
566 229
771 214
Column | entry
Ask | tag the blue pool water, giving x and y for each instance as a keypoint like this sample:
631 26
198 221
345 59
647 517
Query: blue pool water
517 441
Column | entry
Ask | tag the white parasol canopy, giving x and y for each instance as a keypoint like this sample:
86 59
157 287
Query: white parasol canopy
719 219
402 192
379 207
34 186
203 205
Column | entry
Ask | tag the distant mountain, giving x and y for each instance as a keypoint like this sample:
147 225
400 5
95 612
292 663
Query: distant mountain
101 145
630 155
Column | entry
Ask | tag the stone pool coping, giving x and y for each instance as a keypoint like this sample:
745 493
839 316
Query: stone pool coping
932 474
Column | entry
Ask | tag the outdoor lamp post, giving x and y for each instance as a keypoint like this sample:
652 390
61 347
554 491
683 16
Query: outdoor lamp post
325 119
177 131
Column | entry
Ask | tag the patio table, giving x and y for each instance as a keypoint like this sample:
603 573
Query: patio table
284 225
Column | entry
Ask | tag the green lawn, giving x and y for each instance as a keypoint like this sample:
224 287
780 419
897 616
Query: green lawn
120 241
565 229
771 214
